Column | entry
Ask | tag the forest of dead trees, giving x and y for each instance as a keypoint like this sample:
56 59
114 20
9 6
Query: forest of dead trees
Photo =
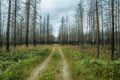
23 24
95 23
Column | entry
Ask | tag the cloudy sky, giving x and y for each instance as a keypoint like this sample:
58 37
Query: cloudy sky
57 9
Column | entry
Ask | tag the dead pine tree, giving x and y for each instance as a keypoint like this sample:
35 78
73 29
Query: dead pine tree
112 39
8 27
27 19
15 23
0 26
34 24
48 28
97 21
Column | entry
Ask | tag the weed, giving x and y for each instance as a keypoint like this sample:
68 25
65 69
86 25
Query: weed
17 65
52 69
84 67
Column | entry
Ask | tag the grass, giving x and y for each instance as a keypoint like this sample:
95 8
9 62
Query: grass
20 61
52 71
105 51
83 66
17 64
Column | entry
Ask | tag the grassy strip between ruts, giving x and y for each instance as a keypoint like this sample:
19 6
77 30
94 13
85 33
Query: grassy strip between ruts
52 70
83 67
17 65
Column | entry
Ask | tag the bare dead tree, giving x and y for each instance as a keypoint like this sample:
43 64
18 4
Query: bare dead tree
15 23
34 24
112 39
97 21
27 19
8 27
0 25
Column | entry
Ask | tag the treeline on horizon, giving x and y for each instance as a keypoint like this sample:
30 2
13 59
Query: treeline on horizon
96 22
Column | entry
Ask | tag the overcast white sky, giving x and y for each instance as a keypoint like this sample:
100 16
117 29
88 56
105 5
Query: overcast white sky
57 9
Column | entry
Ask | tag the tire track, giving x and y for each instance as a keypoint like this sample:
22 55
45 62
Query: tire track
64 66
34 74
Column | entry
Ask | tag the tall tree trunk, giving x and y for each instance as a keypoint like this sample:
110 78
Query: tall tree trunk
0 26
97 21
62 26
8 27
112 37
119 24
15 23
44 25
27 19
40 29
48 25
34 26
21 31
102 36
81 26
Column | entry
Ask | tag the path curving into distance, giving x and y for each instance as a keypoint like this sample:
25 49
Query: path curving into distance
64 67
34 74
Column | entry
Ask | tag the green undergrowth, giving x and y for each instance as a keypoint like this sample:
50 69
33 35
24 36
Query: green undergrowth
84 67
17 65
52 70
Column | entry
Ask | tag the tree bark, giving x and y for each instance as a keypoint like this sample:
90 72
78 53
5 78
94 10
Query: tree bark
27 19
112 37
34 26
0 26
97 21
15 23
8 27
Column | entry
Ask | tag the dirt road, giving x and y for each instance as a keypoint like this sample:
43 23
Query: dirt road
34 74
64 67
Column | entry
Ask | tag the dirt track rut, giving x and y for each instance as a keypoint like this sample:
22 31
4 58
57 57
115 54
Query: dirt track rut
64 67
34 74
